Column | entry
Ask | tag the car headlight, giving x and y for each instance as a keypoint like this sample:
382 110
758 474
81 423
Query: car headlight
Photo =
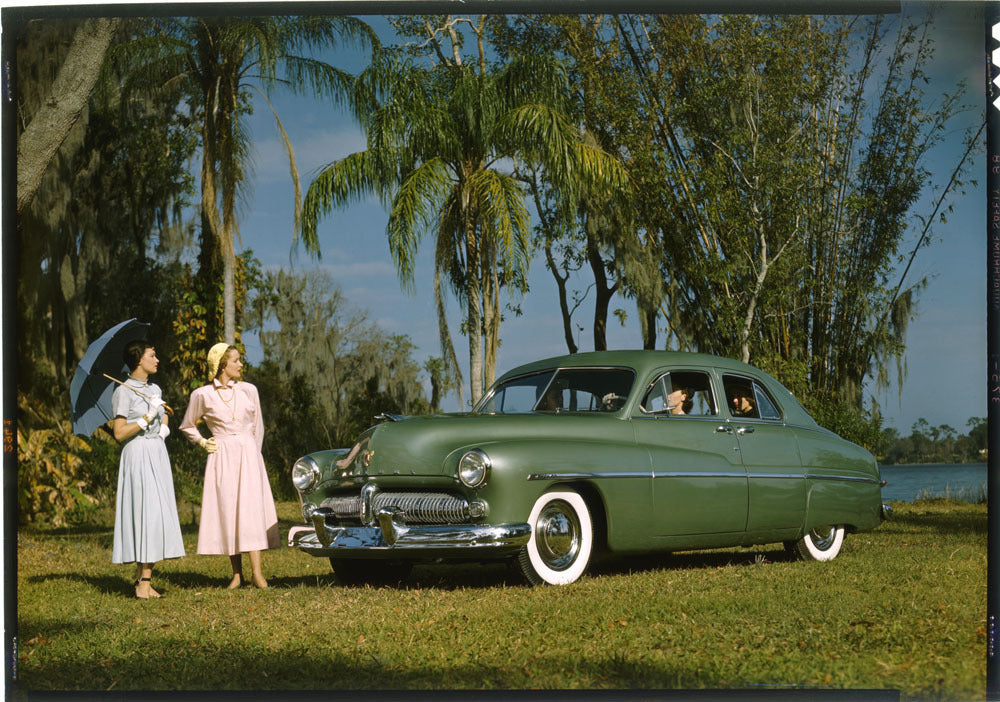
474 468
305 473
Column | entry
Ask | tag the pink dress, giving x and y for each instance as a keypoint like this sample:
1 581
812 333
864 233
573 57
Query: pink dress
237 509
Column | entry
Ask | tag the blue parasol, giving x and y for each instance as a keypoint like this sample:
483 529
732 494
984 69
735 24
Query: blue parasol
100 368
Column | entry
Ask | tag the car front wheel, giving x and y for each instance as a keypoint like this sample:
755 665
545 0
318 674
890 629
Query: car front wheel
562 539
820 543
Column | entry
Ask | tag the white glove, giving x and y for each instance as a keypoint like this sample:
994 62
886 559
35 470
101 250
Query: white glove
164 431
142 422
155 403
209 445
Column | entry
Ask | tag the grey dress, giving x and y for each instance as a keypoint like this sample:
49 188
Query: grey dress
147 528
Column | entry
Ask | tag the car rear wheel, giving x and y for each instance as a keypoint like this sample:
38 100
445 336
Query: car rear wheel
357 571
562 539
820 543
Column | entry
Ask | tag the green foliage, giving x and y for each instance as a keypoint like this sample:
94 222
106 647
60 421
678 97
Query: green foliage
52 478
199 309
778 161
327 371
294 421
859 425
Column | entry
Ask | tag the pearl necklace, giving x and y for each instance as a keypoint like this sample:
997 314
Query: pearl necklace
227 404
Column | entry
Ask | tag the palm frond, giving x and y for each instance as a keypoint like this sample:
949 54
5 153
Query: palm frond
549 140
414 210
339 183
504 218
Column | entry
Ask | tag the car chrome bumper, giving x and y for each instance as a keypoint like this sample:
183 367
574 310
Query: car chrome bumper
886 512
390 536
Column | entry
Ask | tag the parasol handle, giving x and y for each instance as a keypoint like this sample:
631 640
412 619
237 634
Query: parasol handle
137 392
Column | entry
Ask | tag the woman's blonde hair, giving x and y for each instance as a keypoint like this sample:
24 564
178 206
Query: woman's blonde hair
215 356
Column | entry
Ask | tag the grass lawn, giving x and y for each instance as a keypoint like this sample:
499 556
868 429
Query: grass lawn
902 607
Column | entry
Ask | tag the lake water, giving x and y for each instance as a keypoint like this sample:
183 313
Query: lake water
904 483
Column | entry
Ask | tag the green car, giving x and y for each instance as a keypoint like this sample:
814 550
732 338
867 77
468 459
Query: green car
627 452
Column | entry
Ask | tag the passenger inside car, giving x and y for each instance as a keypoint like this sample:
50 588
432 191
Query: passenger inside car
740 396
551 401
681 400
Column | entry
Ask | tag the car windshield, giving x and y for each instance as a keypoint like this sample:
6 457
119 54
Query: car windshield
561 390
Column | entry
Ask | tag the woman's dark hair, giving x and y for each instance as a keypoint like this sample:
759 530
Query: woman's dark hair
133 353
688 403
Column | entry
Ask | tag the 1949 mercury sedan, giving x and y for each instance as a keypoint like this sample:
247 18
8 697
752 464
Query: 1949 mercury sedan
628 451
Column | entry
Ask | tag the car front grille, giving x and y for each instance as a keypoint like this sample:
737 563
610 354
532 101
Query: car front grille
416 507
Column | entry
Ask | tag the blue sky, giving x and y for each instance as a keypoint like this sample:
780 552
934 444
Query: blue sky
946 344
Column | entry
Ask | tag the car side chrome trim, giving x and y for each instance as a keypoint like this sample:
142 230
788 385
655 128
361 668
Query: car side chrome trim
697 474
780 476
588 476
847 478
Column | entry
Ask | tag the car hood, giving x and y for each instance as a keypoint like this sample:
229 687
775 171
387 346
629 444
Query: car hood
421 445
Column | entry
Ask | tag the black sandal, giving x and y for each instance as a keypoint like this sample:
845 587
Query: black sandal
136 584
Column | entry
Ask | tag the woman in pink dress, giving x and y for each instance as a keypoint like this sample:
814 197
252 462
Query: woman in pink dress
237 509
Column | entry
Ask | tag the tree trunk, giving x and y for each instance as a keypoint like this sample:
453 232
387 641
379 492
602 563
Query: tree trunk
229 291
647 323
72 280
71 89
603 293
491 318
752 305
447 349
473 305
567 315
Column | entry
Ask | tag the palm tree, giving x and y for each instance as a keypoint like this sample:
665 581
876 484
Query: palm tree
223 61
441 142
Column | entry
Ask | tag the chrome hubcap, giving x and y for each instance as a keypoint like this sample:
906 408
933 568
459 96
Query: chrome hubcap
557 535
822 537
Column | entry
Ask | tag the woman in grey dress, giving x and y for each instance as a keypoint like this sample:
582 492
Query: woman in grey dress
147 528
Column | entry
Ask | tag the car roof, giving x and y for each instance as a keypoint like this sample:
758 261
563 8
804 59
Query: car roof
645 361
640 360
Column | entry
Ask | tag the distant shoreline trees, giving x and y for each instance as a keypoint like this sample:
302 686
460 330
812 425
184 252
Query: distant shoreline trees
940 444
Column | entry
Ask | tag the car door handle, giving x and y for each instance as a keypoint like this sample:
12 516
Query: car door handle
744 430
723 429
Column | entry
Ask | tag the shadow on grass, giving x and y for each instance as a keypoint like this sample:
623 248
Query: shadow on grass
937 523
122 585
692 560
457 576
167 663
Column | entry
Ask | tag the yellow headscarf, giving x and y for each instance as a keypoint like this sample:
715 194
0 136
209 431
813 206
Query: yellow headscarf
215 355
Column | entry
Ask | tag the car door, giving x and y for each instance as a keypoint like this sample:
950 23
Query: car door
699 482
770 452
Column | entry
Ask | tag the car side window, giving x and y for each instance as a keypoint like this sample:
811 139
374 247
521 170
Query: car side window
680 393
764 402
747 399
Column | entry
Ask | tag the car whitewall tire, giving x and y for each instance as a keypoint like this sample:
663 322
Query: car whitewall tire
562 539
821 543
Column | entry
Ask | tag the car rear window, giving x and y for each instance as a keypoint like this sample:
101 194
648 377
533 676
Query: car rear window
747 399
